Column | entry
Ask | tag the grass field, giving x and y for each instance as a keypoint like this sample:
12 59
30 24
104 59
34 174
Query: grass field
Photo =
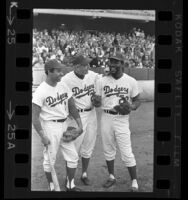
142 135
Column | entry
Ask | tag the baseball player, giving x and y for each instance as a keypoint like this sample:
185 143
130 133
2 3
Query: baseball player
82 82
52 103
114 125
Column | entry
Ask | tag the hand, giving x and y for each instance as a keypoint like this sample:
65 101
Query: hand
96 100
79 130
132 107
45 140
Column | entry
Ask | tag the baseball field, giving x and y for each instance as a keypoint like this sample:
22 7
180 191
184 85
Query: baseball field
142 135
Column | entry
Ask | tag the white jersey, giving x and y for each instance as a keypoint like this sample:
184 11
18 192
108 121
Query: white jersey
82 89
52 100
111 90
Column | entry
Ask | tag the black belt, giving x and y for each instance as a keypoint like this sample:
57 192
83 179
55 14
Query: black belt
59 120
111 112
84 110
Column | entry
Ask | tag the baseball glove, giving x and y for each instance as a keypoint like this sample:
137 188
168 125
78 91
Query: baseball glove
124 107
70 134
96 100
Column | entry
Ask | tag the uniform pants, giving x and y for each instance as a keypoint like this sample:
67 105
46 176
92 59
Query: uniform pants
86 141
54 131
115 128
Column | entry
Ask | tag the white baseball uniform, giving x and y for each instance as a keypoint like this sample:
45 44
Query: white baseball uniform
116 127
54 106
82 90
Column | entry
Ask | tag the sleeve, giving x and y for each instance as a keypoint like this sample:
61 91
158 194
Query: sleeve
64 82
38 97
67 89
99 86
134 88
97 77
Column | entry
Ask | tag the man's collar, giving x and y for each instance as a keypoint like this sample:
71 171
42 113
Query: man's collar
79 76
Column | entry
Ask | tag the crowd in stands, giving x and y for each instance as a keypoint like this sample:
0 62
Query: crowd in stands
137 48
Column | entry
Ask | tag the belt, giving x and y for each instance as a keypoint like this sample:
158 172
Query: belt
59 120
84 110
111 112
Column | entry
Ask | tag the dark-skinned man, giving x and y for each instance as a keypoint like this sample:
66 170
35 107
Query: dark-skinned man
112 89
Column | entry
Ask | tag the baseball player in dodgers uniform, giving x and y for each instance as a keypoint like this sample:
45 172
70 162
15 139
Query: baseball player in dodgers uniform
52 103
114 126
82 83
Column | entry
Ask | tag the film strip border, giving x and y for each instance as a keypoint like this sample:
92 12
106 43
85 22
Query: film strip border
168 104
168 85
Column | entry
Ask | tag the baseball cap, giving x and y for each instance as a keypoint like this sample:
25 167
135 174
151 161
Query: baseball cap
81 60
52 64
117 56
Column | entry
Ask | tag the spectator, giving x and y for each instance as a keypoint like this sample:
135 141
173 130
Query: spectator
94 62
63 44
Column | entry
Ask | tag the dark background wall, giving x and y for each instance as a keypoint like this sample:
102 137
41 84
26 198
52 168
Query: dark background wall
138 74
42 21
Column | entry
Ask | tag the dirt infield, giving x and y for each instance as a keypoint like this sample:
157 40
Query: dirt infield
142 129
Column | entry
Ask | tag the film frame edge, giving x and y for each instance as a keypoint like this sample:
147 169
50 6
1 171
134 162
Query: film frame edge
16 113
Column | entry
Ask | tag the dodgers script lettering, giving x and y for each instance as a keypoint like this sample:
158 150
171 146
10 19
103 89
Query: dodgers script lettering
87 90
108 91
52 101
